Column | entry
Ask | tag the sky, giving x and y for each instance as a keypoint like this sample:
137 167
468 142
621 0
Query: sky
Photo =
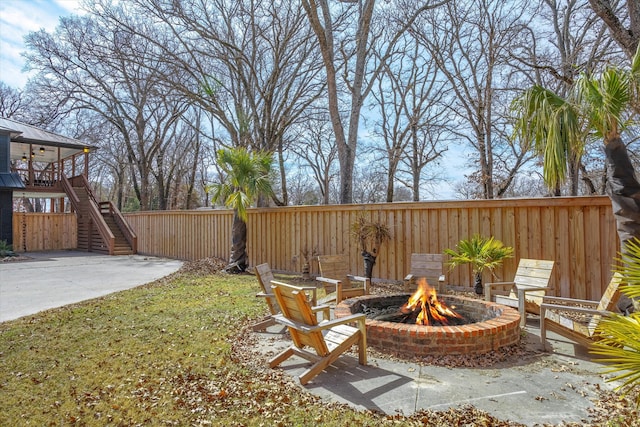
17 19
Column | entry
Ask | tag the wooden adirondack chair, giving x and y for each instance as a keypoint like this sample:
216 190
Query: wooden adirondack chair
525 292
265 276
335 277
553 314
428 266
326 340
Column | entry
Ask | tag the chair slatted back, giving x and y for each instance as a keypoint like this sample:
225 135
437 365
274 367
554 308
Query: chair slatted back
265 276
335 267
295 307
534 272
428 266
608 301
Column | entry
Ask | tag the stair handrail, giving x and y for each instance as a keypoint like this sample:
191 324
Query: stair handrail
71 193
96 216
126 229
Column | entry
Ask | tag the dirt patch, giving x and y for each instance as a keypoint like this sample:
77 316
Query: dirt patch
202 267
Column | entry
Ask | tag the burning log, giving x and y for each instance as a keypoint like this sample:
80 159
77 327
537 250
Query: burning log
430 310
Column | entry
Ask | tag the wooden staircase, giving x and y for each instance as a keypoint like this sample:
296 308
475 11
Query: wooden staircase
121 246
101 227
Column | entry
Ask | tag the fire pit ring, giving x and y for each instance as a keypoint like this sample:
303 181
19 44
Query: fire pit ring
494 326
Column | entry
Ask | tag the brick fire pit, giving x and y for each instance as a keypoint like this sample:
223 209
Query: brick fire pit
491 327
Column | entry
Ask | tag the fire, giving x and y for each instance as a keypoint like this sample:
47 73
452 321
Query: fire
431 309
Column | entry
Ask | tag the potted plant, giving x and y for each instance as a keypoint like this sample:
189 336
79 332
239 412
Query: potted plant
370 235
483 253
307 255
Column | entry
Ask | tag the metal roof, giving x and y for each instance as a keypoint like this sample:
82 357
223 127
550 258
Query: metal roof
28 133
10 181
46 146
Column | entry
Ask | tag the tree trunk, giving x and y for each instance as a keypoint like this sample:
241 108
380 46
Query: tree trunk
478 284
238 259
627 38
624 190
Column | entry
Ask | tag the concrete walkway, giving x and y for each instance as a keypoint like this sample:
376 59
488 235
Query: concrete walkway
541 388
54 279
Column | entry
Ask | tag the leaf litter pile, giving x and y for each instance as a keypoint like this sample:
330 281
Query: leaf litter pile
179 351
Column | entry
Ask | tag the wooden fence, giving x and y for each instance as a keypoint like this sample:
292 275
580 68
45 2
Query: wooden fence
579 233
44 231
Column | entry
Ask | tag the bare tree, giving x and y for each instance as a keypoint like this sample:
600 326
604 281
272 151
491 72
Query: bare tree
256 61
370 177
411 116
470 41
568 40
346 55
11 102
615 16
94 66
316 152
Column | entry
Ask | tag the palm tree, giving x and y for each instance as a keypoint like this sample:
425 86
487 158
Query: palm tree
558 127
246 178
554 125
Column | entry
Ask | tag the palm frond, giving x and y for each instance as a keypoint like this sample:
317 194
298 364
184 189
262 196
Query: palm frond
370 234
605 99
549 124
619 347
629 260
246 177
480 252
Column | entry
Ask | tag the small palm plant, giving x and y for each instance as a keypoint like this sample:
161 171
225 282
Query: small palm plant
482 253
619 345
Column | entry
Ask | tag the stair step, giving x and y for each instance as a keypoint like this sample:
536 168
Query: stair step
89 237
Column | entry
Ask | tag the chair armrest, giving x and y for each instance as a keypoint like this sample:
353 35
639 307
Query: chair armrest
551 300
327 280
360 318
583 310
279 318
495 284
265 295
313 290
324 325
491 285
325 309
527 288
358 278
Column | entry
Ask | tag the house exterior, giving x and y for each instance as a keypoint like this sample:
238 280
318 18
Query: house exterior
35 163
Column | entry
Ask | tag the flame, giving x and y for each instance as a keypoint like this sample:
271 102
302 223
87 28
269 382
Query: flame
431 309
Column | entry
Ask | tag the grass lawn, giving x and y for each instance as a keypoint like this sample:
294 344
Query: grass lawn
169 353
